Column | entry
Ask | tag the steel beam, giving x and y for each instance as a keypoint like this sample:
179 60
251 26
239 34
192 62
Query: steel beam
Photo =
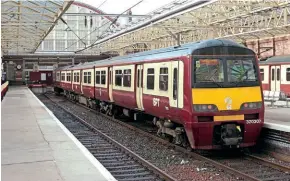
103 14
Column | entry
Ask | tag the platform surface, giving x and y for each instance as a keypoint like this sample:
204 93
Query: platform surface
37 147
277 118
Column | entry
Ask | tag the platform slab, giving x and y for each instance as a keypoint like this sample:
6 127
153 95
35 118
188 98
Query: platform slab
277 119
36 147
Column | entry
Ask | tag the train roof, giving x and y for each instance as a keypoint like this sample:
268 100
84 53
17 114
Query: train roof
173 51
277 59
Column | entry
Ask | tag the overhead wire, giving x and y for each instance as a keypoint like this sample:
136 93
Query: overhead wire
105 31
89 32
108 27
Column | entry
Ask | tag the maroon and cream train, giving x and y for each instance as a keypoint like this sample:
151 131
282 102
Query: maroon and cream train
206 94
275 74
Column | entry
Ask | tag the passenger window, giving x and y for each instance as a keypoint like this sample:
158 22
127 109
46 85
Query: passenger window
68 77
272 75
103 77
85 77
278 73
97 77
57 77
150 79
63 76
74 77
118 77
89 77
127 78
262 74
163 79
288 74
175 83
78 77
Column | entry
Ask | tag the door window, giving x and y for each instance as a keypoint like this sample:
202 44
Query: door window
175 83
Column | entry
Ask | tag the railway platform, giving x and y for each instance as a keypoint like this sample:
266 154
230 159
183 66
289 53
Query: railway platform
36 146
277 119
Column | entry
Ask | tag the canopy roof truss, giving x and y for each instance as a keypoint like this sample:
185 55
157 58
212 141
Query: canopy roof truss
239 20
24 24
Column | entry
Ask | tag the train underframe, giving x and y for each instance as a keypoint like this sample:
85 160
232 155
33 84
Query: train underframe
228 135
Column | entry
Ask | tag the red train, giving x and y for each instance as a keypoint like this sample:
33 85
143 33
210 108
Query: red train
4 88
275 74
206 95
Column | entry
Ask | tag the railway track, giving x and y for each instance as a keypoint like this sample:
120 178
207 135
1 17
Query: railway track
122 163
245 166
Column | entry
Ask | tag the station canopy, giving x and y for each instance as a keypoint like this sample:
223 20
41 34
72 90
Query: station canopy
184 21
25 24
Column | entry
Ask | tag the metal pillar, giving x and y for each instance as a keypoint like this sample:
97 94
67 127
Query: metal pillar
23 72
73 61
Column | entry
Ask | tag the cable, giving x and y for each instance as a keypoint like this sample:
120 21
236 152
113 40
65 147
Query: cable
108 27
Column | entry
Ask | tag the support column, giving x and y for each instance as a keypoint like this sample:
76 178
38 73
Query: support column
23 70
73 61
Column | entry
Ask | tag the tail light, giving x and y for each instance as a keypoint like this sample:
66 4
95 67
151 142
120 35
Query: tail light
205 107
251 105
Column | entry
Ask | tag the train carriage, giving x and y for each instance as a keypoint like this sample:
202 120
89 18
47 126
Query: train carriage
275 74
205 94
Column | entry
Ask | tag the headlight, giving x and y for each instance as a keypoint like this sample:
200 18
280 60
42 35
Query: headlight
251 105
205 107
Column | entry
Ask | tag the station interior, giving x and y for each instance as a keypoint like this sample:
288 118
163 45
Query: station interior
45 42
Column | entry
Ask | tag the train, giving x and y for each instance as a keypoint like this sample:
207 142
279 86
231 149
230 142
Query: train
4 85
202 95
275 74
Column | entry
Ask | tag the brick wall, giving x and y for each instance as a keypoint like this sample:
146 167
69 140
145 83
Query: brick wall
282 46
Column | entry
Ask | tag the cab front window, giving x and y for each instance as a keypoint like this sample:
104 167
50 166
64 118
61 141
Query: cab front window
224 72
209 70
241 70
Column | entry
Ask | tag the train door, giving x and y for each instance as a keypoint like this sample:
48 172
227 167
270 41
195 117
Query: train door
139 87
275 78
111 84
81 81
71 80
176 90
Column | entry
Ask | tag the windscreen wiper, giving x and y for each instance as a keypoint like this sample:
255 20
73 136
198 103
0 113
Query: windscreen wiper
239 81
212 79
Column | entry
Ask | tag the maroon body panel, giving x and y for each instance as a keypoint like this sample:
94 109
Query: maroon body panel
285 88
77 88
88 91
125 98
66 86
102 93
